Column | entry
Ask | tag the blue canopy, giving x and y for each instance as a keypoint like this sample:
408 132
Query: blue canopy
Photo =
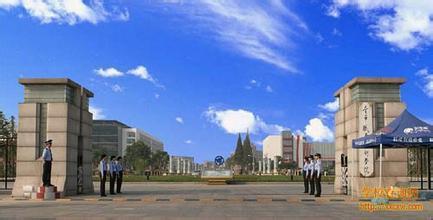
405 131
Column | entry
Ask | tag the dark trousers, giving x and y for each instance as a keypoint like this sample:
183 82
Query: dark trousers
46 174
119 181
318 184
311 182
112 182
103 179
304 174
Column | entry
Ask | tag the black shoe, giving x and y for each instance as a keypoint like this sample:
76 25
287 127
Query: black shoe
104 195
112 193
316 195
119 192
50 185
305 192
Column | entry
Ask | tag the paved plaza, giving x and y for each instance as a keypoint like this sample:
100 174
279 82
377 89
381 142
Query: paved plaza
200 201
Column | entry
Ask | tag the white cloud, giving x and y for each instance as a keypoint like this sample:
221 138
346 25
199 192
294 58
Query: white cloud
331 106
258 30
240 121
405 24
116 88
141 71
109 72
253 84
188 142
317 131
157 96
336 32
257 84
179 120
67 11
97 112
428 81
324 116
269 89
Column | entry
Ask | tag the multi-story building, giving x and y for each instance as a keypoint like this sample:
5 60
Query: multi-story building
182 165
113 137
327 150
272 146
132 135
287 145
107 136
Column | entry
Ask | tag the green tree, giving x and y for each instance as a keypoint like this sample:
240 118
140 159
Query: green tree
8 141
238 157
138 157
229 162
159 161
247 154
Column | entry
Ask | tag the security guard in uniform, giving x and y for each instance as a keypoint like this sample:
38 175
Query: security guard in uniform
119 174
47 157
310 174
318 174
305 174
102 174
113 174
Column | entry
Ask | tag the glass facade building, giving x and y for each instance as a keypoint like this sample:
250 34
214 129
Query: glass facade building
107 136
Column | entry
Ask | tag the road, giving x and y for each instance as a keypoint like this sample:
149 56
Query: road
200 201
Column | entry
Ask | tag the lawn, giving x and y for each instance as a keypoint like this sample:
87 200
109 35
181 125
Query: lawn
236 179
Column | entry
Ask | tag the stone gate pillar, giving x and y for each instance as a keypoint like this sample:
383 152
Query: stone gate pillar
366 106
57 109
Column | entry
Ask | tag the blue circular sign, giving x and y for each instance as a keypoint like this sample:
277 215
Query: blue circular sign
219 160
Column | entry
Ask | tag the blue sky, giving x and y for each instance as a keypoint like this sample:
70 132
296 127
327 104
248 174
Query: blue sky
195 73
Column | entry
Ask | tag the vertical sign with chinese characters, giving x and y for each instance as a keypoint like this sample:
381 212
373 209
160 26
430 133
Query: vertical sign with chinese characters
366 157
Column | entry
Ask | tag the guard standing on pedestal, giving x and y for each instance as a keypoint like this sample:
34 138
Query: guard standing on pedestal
119 173
102 174
310 174
318 174
113 174
305 174
47 157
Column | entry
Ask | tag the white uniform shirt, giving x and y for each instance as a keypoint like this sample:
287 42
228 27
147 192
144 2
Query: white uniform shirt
113 167
47 155
102 166
318 167
119 166
305 167
311 168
